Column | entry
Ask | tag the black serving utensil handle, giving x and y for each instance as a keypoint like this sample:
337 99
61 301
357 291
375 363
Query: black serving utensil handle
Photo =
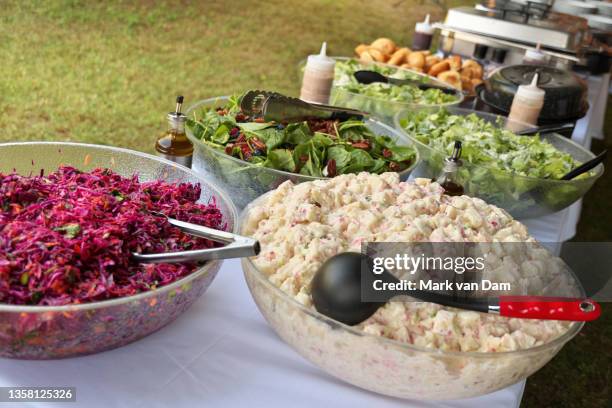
546 129
368 77
586 166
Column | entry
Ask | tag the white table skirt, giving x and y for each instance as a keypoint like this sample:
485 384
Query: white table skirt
221 352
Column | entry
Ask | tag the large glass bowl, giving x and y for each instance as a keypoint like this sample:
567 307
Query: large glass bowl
387 366
46 332
523 197
245 181
383 109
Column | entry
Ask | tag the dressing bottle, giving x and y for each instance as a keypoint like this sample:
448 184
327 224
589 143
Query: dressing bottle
423 34
535 56
526 105
173 144
449 179
318 77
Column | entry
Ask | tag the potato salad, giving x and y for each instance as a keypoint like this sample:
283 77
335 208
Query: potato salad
301 226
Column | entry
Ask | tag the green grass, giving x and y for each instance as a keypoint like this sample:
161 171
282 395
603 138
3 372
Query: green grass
107 72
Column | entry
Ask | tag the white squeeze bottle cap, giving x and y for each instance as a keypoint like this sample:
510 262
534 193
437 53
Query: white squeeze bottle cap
424 27
532 91
321 61
535 54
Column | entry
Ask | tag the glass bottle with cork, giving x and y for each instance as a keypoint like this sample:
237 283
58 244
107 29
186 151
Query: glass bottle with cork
449 179
173 144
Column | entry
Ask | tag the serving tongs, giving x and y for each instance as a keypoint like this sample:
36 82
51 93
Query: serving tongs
237 245
275 107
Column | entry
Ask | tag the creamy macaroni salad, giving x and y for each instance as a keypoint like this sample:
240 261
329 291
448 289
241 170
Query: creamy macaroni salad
301 226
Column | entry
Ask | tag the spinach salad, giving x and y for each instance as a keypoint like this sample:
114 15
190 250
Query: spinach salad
314 147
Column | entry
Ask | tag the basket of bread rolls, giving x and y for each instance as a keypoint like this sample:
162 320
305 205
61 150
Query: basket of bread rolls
462 74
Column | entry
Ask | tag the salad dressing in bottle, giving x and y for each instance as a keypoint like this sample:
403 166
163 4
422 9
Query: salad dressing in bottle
526 105
449 179
423 34
318 77
174 145
535 56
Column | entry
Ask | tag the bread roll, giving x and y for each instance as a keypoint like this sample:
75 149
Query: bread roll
455 62
430 61
361 48
416 60
399 56
451 77
366 56
477 71
439 67
378 55
384 45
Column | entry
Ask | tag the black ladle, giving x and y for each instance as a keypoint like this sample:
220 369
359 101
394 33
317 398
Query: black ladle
586 166
337 292
369 77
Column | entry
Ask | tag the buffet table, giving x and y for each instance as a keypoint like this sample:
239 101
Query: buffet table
560 227
221 352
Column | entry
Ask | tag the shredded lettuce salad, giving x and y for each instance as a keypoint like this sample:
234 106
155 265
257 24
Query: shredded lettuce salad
345 80
489 144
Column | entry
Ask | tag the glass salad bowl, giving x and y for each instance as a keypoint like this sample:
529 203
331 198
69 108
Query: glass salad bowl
48 332
378 106
245 181
387 366
523 197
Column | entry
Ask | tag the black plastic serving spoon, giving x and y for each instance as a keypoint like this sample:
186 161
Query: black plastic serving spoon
337 290
368 77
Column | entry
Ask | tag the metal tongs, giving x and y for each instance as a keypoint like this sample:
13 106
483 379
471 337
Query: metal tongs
237 245
275 107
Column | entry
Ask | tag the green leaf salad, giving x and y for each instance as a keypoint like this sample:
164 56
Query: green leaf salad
314 147
489 144
345 80
346 68
511 171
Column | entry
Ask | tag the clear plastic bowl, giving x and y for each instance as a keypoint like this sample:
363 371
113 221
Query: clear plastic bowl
245 181
523 197
47 332
382 109
388 366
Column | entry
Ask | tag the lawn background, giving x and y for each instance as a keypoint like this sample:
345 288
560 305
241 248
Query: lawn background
107 72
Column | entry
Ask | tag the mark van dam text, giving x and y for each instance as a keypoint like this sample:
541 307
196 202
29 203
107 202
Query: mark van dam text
404 285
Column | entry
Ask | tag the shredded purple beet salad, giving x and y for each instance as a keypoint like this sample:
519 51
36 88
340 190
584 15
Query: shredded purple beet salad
67 238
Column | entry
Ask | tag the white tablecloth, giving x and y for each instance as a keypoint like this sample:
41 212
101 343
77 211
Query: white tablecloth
221 352
561 226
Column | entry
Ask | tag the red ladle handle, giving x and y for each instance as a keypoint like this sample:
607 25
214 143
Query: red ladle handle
549 308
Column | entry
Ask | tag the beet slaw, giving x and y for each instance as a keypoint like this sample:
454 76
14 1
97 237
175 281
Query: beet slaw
67 238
